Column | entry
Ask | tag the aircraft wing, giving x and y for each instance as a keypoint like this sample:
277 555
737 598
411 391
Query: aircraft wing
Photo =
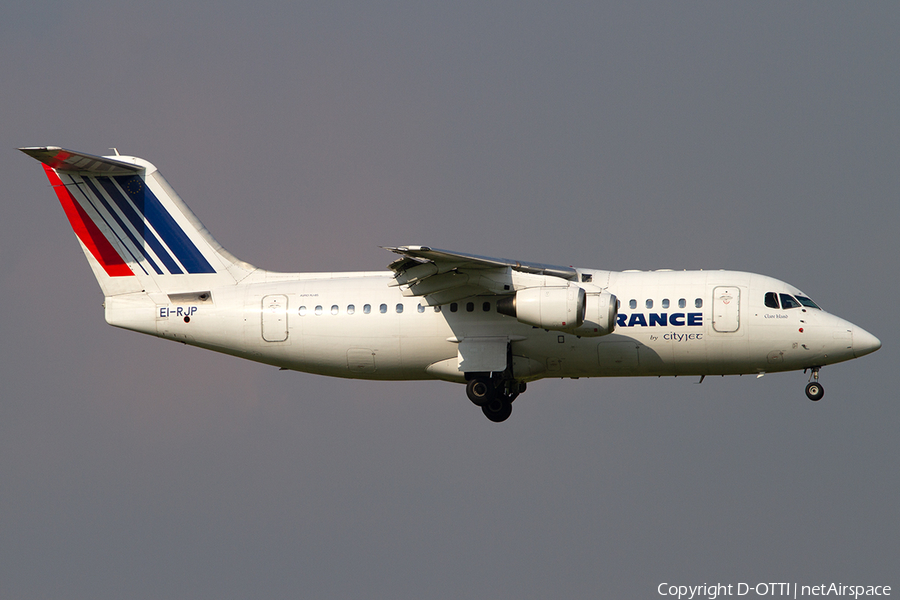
441 276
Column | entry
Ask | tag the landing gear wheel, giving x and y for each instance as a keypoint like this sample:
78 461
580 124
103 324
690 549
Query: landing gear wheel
498 409
480 391
814 391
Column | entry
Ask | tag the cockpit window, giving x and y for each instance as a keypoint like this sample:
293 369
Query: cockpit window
772 300
807 302
788 301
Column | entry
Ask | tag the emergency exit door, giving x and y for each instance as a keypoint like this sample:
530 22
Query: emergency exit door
726 309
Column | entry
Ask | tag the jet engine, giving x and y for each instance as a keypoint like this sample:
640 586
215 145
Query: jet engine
568 309
558 308
601 309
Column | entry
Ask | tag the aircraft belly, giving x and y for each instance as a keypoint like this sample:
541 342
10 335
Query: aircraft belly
354 357
618 357
418 353
342 349
727 356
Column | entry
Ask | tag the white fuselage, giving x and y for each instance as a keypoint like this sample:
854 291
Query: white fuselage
356 325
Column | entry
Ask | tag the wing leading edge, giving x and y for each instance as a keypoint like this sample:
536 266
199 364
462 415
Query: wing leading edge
442 276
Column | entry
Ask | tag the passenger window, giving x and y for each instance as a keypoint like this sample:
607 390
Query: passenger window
319 310
399 308
302 311
367 308
632 304
382 309
682 303
787 301
486 307
470 306
587 277
649 304
334 309
698 302
420 308
665 303
351 309
772 300
454 307
437 308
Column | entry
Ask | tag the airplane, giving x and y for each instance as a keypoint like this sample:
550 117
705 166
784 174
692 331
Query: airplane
492 324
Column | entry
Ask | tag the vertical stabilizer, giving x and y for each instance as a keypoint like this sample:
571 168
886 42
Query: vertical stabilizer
135 231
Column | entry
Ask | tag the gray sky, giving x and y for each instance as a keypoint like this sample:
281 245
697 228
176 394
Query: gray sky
755 136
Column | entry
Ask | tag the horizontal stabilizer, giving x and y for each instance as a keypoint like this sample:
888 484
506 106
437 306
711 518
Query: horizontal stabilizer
68 160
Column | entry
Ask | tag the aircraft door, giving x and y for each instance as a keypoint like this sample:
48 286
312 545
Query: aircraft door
274 318
361 360
726 309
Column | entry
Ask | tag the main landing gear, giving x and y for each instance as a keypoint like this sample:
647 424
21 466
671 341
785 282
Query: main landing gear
814 389
493 394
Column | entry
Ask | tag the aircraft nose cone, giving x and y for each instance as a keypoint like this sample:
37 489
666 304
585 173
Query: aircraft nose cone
864 342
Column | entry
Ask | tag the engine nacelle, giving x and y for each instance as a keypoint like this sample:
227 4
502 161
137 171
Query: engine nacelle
558 308
600 315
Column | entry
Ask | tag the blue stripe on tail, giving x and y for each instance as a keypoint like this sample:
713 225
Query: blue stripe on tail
159 218
145 207
139 245
136 217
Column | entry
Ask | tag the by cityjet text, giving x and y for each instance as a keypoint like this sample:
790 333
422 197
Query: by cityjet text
790 590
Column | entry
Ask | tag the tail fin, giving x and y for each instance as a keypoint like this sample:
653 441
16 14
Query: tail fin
136 233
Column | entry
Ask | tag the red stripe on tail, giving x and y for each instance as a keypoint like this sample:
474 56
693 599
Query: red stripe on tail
87 231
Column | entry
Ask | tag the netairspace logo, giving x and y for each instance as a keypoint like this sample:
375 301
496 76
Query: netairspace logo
790 590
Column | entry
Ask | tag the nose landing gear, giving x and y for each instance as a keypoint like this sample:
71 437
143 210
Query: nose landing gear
814 389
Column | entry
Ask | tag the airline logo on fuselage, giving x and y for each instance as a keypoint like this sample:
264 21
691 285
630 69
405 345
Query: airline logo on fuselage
659 320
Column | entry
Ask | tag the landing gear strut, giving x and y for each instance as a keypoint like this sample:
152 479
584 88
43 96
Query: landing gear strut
494 395
494 392
814 389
